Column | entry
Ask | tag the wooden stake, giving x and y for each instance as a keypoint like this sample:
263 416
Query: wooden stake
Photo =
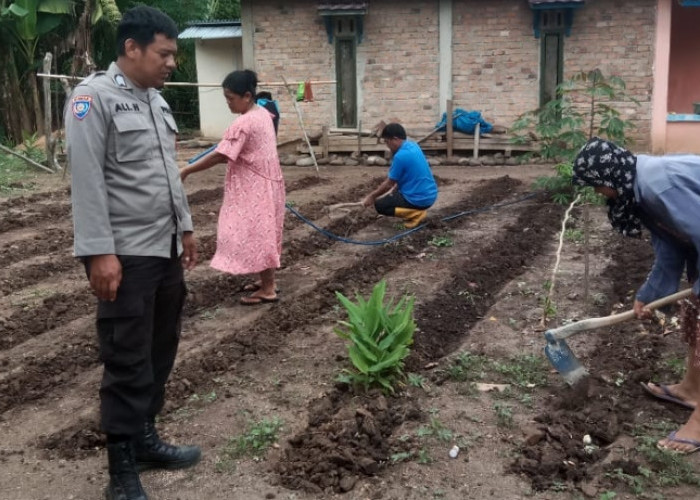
324 141
301 123
450 130
477 138
50 144
359 139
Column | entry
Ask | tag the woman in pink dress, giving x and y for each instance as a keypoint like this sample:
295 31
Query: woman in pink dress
249 237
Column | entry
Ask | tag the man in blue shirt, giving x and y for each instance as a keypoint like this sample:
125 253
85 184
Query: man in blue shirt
409 189
663 195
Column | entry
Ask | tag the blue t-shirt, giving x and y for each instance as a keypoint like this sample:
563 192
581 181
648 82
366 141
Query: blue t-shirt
410 170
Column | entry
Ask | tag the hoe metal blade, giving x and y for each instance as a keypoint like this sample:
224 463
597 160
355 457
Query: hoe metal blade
563 360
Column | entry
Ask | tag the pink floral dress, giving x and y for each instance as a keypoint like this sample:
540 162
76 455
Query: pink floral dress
249 238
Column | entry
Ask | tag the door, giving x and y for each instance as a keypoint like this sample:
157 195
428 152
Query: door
552 62
346 78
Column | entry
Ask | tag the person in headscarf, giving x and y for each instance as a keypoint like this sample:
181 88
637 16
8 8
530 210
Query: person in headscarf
661 193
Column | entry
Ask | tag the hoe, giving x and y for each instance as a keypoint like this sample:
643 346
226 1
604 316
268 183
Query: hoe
561 356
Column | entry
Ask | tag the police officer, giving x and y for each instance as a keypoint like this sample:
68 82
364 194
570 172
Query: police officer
133 231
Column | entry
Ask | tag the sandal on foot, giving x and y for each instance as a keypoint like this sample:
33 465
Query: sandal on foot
672 438
667 395
254 287
255 300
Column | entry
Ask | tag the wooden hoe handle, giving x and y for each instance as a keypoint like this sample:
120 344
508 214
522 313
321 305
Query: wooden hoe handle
566 331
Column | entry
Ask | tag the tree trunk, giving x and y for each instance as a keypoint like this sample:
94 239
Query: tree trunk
82 62
36 102
20 120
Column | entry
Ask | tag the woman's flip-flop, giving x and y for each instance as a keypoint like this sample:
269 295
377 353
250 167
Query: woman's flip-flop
667 395
254 300
254 287
672 438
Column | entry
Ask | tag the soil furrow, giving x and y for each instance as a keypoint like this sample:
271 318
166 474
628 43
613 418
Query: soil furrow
447 318
33 199
39 214
51 312
13 280
46 241
55 240
195 373
596 406
444 323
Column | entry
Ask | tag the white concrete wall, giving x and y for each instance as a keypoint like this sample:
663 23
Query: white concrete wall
215 60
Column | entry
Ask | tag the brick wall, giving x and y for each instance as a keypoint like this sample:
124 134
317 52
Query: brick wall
398 63
495 59
290 40
618 37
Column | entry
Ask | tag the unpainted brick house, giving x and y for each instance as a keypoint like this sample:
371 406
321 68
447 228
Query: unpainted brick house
405 59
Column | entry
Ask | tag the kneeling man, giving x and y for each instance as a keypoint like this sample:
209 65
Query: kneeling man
409 189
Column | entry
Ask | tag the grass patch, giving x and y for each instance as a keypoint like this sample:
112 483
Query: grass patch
259 436
504 415
675 365
524 370
441 241
15 175
468 367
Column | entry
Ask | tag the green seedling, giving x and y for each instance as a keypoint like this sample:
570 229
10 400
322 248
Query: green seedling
573 235
607 495
424 457
441 241
379 335
635 482
504 415
401 457
435 429
670 469
525 370
209 397
258 437
467 367
416 380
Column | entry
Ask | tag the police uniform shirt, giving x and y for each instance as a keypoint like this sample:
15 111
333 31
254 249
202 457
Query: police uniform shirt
126 190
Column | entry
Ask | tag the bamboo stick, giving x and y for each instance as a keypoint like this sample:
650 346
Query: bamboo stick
196 84
28 160
301 123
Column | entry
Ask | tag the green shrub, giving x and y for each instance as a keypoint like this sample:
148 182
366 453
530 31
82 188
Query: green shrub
379 337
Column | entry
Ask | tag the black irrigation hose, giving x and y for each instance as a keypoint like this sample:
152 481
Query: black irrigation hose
333 236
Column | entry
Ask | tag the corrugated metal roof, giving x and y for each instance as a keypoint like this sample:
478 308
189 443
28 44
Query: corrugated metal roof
210 30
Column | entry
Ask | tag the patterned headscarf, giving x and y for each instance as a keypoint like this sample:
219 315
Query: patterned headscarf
602 163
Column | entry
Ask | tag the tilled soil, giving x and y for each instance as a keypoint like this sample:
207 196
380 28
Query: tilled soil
340 440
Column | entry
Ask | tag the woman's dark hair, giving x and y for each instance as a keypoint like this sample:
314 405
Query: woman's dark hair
241 81
263 95
142 24
394 131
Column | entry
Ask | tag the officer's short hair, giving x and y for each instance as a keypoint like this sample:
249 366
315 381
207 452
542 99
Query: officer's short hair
142 24
394 131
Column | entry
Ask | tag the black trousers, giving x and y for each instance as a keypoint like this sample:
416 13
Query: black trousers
386 204
138 335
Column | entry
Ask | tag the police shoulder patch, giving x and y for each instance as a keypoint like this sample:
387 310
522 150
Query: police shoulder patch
81 106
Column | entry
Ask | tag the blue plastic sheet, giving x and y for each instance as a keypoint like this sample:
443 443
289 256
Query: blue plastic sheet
465 121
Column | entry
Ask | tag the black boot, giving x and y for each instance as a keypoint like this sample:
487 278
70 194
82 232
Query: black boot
124 483
152 453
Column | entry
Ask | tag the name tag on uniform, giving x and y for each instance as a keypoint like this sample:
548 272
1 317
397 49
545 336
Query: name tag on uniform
81 106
